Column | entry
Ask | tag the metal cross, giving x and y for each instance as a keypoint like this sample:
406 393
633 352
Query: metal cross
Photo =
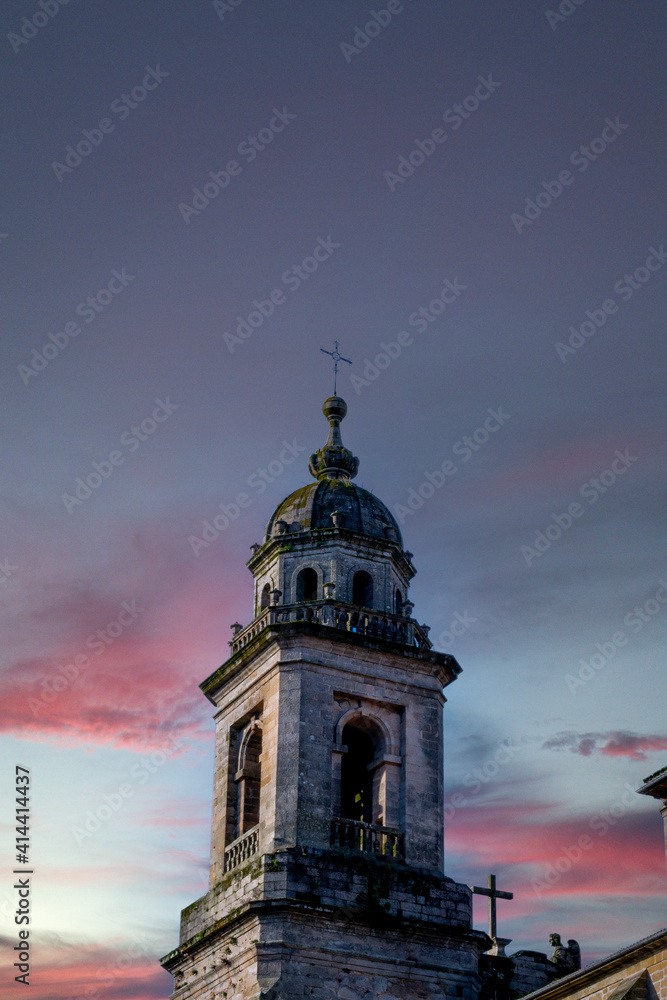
336 358
493 894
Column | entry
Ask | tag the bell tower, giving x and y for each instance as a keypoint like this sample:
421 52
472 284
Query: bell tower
326 875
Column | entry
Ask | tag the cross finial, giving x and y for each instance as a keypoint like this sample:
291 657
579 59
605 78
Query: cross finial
493 895
336 358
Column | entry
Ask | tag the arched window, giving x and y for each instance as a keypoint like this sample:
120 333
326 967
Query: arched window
249 781
306 585
356 791
362 589
399 602
266 596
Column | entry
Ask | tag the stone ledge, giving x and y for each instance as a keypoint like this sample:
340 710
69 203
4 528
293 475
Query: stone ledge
363 920
280 630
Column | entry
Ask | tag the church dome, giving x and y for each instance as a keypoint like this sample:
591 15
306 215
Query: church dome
354 508
334 501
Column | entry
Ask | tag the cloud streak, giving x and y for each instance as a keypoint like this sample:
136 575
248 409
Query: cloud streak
617 743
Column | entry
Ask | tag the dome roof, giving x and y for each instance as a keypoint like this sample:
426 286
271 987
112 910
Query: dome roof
333 501
310 508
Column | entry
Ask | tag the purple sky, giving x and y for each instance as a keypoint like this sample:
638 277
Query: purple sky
480 189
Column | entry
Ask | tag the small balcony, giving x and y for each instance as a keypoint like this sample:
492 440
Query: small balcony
337 614
367 838
242 849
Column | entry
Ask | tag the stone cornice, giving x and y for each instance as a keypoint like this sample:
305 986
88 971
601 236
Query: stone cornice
446 665
655 785
334 537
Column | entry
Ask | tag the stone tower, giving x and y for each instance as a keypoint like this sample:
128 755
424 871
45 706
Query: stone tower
327 844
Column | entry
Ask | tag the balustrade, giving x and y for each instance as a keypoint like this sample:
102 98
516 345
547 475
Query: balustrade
336 614
242 848
353 835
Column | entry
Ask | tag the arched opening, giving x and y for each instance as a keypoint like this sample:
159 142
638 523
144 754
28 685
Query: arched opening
399 602
306 585
249 782
356 798
265 599
362 589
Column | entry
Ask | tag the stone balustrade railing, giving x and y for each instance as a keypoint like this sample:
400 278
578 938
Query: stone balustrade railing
336 614
353 835
242 848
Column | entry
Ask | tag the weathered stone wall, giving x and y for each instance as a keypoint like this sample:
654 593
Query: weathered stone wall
341 884
288 954
302 684
331 926
252 688
531 971
333 564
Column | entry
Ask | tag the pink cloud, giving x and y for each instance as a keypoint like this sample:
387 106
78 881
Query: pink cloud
567 465
613 744
94 972
94 664
615 852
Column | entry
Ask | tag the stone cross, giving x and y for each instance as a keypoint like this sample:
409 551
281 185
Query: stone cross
493 895
336 358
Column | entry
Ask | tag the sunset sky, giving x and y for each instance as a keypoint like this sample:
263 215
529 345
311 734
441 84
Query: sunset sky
199 196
